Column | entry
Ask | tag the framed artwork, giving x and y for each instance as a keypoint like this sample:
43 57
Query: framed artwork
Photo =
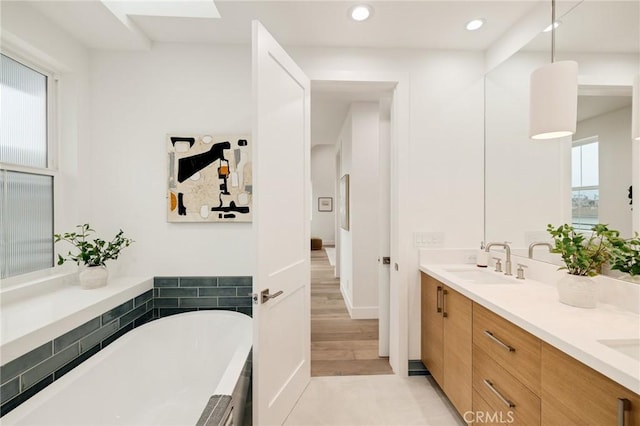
344 202
209 178
325 204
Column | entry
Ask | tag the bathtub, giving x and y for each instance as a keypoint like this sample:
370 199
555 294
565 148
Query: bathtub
162 373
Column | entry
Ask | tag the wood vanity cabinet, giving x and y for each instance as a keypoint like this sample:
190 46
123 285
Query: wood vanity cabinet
506 369
446 340
575 394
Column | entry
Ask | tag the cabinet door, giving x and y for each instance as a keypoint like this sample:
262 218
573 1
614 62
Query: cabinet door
457 349
574 394
431 323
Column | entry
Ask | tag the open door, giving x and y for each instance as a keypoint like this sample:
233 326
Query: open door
281 220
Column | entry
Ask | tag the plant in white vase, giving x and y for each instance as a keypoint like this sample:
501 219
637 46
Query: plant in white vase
583 256
92 254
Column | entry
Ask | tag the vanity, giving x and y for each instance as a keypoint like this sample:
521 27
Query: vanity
505 350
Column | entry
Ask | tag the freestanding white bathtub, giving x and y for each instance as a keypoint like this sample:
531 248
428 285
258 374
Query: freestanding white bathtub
162 373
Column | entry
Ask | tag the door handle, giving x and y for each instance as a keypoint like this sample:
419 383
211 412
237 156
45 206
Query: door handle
265 296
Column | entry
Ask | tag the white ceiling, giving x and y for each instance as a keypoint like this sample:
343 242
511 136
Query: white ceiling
396 23
602 26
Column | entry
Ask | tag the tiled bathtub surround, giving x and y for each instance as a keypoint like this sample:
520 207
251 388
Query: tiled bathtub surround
182 294
31 372
28 374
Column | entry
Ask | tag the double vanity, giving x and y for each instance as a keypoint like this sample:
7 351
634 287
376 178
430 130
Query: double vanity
505 350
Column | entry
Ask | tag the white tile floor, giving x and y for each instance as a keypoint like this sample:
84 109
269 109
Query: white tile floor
372 400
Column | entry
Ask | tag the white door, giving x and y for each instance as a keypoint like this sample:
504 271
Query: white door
281 176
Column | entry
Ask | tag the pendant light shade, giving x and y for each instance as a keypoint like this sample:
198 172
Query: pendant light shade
553 100
635 110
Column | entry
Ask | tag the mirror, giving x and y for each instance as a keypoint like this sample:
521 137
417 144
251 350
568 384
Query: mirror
531 184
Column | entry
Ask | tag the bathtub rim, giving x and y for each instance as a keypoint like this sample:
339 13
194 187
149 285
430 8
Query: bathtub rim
43 396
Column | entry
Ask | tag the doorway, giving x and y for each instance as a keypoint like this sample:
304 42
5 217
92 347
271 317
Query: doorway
350 136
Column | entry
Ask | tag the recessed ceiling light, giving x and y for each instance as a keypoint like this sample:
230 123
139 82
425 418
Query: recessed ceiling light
474 24
556 24
361 12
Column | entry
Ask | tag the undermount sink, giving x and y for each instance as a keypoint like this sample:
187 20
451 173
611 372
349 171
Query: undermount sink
480 276
628 347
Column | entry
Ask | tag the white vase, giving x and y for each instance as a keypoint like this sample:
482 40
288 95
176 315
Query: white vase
93 277
578 291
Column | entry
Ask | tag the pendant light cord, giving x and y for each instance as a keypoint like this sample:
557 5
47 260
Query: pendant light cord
553 31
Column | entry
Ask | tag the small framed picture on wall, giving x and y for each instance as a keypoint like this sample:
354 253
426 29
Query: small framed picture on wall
325 204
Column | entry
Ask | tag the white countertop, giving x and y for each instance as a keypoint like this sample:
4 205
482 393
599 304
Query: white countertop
534 306
33 315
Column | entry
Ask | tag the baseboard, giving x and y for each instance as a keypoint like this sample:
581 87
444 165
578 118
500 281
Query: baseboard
359 312
417 368
329 244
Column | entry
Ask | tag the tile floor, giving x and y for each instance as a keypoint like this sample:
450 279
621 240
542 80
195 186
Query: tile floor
372 400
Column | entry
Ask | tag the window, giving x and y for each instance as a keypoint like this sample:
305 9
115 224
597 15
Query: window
26 179
585 194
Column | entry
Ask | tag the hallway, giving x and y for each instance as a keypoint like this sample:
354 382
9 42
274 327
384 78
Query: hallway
340 346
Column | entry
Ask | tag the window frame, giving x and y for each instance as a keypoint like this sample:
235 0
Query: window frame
52 136
579 143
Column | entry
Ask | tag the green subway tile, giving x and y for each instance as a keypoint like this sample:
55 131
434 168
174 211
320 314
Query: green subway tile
98 336
143 298
243 291
165 282
9 390
76 362
217 291
165 302
178 292
198 281
117 312
23 396
106 342
245 310
76 334
165 312
130 316
25 362
199 302
234 301
32 376
235 281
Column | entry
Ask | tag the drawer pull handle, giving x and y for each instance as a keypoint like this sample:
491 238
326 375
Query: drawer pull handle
623 405
498 341
499 395
444 309
438 292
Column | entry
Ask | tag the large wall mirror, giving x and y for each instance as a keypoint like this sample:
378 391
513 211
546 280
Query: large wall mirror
583 179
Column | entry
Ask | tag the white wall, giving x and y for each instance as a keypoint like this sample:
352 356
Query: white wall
28 34
614 135
359 145
137 99
345 250
323 183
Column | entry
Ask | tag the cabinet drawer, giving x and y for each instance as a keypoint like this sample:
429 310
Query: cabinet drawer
502 391
509 345
575 394
485 415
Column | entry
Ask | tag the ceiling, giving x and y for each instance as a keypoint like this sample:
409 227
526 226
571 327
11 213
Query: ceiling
593 106
395 23
602 26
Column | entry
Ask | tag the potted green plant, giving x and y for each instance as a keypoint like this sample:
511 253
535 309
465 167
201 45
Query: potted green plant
625 255
583 256
93 254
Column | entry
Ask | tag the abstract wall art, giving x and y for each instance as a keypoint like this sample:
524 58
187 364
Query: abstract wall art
210 178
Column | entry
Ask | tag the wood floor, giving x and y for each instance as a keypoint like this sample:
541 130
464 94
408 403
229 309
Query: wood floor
340 346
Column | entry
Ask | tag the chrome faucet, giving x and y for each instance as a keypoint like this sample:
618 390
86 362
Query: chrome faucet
540 243
507 264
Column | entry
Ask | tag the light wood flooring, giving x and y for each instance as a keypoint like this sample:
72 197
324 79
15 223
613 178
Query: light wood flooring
340 346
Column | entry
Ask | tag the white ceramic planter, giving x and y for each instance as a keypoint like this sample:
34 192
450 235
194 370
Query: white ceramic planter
578 291
93 277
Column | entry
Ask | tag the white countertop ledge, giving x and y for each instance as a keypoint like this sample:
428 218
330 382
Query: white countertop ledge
32 315
534 306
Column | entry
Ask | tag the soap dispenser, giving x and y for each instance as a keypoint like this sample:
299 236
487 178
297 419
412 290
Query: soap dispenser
482 259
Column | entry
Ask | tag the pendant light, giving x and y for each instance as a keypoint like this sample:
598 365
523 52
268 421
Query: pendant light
635 110
553 95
